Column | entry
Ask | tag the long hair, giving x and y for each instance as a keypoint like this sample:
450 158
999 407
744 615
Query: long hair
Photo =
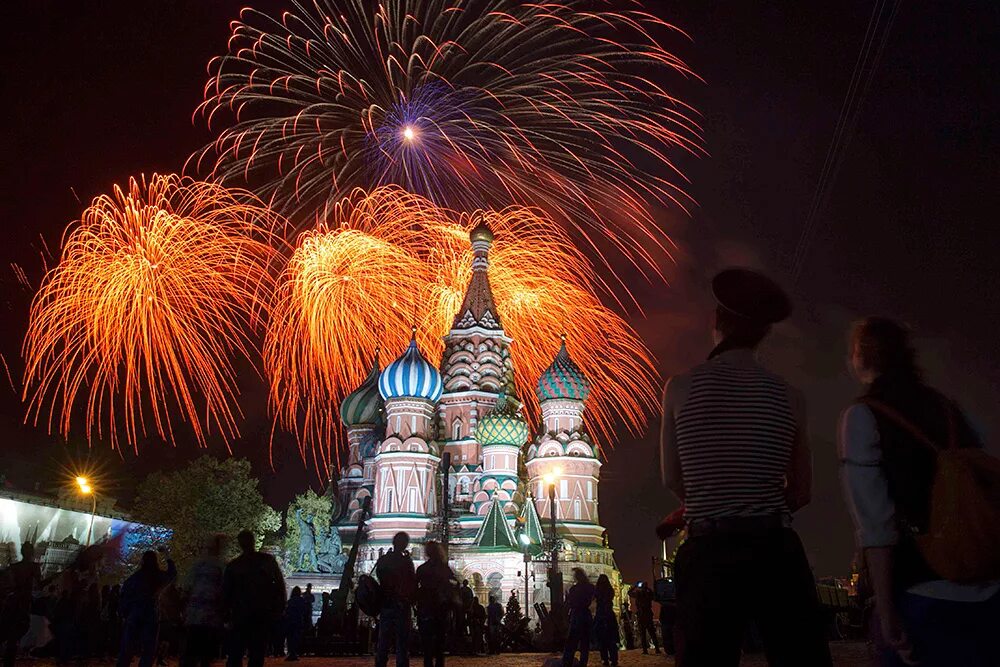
884 347
603 585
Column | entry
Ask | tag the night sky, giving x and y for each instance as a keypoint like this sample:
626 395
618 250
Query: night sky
95 92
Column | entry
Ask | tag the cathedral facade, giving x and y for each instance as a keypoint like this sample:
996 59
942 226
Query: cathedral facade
503 486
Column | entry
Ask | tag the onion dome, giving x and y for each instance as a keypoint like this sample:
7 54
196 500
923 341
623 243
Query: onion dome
364 405
502 425
481 232
563 379
410 376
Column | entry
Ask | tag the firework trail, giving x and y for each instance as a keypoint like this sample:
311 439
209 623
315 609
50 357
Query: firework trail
390 259
159 286
470 103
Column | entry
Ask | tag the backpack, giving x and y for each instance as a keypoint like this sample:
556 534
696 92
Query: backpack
368 595
962 540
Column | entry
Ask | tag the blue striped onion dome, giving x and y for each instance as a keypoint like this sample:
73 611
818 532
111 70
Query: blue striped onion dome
563 379
410 376
364 405
502 425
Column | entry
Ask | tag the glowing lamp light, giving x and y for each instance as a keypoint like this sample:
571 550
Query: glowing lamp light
525 540
84 485
549 478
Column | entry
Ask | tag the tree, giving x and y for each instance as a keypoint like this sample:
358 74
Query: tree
207 497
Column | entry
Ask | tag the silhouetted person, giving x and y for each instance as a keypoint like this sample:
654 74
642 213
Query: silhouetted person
398 581
297 614
668 619
628 630
15 608
494 616
477 626
888 443
466 596
326 622
644 615
139 606
310 600
254 593
605 623
735 452
436 590
578 600
204 611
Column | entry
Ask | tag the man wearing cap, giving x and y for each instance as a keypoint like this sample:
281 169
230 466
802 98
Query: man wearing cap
734 451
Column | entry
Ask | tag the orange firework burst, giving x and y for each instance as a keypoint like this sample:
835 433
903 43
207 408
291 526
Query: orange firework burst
158 286
350 286
389 259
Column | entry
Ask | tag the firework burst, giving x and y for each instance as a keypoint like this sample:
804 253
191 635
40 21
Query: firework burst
159 286
470 103
389 260
351 285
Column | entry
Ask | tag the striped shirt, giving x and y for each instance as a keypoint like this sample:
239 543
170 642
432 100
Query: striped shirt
734 437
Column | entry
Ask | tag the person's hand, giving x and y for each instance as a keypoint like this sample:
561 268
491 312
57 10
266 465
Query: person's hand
894 635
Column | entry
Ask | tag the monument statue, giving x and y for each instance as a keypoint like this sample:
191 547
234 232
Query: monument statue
307 544
330 556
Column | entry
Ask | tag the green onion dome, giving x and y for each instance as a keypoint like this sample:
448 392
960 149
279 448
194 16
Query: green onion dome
364 405
563 379
503 424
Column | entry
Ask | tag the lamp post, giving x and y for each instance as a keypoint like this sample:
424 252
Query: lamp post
87 489
555 576
526 543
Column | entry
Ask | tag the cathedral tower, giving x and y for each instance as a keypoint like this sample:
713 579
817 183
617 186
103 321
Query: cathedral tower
363 414
563 452
407 461
475 368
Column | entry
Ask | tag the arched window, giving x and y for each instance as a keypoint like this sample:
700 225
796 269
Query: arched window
576 510
413 501
456 429
465 486
388 500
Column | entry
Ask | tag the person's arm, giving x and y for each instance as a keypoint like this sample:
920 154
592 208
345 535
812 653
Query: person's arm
670 464
874 513
798 476
171 573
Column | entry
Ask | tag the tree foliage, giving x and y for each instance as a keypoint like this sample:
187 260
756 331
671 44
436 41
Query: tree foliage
209 496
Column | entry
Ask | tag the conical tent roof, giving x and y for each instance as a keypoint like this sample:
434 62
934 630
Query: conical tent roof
531 525
495 531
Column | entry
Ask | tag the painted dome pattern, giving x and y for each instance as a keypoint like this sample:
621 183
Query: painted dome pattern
364 405
563 379
410 376
502 425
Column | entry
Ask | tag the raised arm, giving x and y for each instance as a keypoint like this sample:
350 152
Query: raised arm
674 394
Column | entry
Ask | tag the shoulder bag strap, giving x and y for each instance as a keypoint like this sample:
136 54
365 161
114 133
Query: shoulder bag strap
904 423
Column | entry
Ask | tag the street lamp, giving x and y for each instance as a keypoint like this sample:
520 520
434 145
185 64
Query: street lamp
555 577
87 489
526 543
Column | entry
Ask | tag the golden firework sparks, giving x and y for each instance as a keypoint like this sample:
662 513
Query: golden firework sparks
390 259
159 286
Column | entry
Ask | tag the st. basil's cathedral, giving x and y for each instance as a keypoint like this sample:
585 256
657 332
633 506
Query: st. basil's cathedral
403 419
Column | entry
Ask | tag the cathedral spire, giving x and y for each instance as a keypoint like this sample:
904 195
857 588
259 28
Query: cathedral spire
478 308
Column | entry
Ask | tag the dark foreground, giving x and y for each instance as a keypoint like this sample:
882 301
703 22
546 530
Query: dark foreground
845 654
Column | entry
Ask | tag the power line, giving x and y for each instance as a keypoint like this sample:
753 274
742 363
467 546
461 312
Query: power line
878 30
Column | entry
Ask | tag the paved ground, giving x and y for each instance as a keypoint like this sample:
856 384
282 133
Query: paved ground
846 654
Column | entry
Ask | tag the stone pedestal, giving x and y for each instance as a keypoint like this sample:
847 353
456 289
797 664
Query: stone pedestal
321 583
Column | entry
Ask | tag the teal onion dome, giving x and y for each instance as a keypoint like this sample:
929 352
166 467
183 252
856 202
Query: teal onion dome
364 405
411 376
563 379
502 425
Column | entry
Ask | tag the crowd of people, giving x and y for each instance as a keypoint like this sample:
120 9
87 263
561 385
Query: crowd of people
734 451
